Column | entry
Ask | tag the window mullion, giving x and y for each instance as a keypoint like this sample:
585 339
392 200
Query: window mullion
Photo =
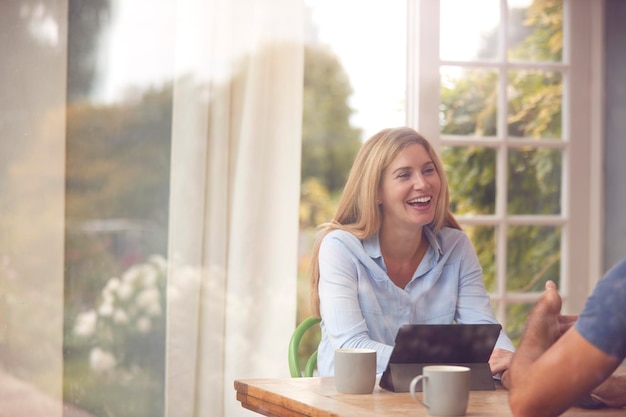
502 170
423 79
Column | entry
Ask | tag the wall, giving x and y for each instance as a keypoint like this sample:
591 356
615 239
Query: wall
615 131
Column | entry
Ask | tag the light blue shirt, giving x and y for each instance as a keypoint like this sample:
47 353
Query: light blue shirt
362 308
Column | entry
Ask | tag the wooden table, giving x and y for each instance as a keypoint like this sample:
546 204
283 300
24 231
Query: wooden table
317 397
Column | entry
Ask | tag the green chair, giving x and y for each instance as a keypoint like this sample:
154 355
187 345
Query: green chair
294 345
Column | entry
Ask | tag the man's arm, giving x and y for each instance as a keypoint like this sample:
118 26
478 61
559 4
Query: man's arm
548 386
612 392
550 372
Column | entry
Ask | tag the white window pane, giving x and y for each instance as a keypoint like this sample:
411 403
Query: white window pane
369 40
469 29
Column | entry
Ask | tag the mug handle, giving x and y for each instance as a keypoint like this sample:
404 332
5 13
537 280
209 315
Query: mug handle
412 389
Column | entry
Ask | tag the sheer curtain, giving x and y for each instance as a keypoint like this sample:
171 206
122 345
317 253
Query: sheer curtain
234 199
32 163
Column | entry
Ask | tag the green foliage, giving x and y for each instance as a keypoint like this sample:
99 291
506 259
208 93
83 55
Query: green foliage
484 241
471 174
118 159
533 257
469 105
329 142
535 104
534 181
117 189
85 21
329 145
545 37
117 199
316 204
133 393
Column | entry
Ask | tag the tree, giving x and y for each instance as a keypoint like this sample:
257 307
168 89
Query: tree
87 19
329 142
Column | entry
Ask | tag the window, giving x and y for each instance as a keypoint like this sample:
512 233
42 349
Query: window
147 148
515 132
343 106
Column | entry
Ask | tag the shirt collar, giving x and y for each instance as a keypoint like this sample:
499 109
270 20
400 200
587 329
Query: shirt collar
432 239
372 244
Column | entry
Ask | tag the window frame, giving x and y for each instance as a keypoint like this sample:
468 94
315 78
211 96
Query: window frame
582 195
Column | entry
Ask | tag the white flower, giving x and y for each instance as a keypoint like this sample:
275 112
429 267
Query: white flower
149 278
85 324
101 360
159 261
107 296
133 306
150 301
113 284
105 309
120 317
125 290
143 324
131 275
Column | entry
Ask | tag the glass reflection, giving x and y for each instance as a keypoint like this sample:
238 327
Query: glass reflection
469 30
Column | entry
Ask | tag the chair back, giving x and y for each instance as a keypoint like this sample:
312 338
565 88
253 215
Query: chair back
294 347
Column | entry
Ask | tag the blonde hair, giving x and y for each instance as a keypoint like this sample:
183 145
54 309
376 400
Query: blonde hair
358 211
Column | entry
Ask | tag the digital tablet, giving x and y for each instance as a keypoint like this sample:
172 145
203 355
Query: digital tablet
418 345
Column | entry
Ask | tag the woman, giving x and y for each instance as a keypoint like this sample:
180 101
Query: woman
394 254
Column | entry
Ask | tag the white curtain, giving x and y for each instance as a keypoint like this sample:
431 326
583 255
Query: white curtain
234 199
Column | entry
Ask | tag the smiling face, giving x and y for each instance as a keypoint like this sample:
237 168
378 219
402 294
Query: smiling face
409 189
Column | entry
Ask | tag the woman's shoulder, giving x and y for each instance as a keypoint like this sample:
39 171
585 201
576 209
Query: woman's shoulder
343 236
451 234
449 238
342 241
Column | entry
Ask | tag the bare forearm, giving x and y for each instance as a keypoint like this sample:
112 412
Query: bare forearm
570 369
612 392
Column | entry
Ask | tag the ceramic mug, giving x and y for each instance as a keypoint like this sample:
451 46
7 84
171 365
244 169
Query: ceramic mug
445 389
355 370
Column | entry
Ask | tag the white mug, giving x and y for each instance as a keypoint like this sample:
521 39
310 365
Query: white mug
446 389
355 370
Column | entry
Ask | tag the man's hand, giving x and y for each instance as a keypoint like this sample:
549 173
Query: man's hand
545 322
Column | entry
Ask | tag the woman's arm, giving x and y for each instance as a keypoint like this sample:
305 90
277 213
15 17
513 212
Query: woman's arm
344 321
